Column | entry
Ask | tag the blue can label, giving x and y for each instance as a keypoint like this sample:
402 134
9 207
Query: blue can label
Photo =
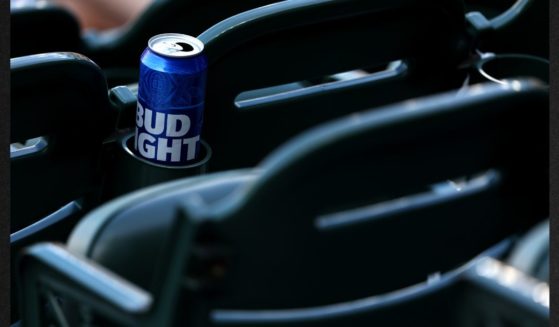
168 136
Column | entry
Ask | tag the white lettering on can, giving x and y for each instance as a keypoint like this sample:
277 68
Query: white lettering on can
154 126
182 122
191 144
163 149
146 150
139 115
160 136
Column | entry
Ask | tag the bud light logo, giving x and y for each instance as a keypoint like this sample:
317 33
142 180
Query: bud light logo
169 137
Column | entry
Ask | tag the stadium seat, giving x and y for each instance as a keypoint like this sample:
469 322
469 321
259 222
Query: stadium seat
61 98
294 41
347 210
59 118
300 40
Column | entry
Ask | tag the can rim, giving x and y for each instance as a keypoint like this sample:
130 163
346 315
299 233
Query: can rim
196 44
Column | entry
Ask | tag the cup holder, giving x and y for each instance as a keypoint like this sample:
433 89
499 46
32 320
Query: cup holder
131 172
503 68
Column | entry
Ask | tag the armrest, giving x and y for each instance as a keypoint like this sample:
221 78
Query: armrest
482 24
523 296
48 267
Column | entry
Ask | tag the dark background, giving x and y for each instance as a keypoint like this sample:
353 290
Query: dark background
4 175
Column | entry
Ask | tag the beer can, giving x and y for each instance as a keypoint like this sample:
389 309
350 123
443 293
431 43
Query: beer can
171 91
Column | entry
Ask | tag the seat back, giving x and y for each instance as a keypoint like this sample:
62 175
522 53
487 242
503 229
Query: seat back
340 212
295 41
348 209
161 16
467 296
61 97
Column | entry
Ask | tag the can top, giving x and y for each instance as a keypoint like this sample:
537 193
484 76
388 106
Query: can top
175 45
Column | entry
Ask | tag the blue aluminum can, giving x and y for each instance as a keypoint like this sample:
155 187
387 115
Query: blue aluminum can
170 108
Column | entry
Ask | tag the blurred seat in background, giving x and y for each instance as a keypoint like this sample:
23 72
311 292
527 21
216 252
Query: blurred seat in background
62 99
44 27
59 118
37 22
345 211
